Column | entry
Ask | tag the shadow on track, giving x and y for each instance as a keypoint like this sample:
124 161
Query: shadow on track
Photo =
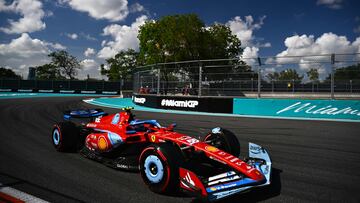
14 182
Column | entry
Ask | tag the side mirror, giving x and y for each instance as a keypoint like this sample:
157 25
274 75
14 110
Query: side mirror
171 126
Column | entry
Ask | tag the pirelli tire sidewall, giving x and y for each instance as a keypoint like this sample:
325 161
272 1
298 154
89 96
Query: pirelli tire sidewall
168 156
65 136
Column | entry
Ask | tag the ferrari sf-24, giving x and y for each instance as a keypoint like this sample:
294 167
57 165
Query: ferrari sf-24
207 167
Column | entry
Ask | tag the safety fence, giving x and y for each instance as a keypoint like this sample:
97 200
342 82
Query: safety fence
64 86
328 74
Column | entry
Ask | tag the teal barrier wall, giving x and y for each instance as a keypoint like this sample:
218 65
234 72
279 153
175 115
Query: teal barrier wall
296 108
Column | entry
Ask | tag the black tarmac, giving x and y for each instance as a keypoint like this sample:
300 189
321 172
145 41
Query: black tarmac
313 161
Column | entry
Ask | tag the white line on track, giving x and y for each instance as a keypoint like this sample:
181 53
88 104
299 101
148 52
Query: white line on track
20 195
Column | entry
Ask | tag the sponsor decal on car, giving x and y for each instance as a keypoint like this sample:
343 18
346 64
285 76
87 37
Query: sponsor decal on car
189 180
177 103
189 139
92 125
211 149
255 149
102 143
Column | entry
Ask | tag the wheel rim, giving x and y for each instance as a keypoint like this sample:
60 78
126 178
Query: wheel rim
154 169
56 136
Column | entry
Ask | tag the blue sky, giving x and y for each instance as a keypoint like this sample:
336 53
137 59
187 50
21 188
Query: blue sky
94 30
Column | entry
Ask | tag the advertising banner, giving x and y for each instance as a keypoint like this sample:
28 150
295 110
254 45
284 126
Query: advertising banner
297 108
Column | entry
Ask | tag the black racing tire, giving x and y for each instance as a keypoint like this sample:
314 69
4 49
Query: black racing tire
159 167
225 140
65 136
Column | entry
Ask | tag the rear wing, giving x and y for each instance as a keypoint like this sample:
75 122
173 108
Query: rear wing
83 113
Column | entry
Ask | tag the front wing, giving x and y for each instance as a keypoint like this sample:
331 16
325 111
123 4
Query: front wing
228 183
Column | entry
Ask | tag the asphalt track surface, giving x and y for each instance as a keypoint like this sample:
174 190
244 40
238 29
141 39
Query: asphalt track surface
314 161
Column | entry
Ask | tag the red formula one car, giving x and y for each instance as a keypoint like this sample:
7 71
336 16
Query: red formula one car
208 167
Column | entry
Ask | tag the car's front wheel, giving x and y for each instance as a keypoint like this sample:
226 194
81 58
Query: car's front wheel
223 139
159 167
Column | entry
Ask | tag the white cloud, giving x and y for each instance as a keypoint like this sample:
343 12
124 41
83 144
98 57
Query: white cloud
136 7
244 30
333 4
124 37
56 46
72 35
307 46
24 52
31 20
89 51
113 10
88 37
89 67
250 54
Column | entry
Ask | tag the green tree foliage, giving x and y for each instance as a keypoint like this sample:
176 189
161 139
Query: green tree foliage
347 73
286 75
8 74
120 66
185 37
313 74
48 71
65 63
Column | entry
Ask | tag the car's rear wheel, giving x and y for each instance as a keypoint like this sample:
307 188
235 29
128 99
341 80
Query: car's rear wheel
159 167
224 140
65 136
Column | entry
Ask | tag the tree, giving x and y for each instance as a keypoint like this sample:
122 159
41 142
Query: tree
286 75
48 72
120 66
313 75
347 73
185 38
8 74
65 63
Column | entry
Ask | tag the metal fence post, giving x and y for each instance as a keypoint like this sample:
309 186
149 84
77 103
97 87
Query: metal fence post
158 82
312 86
332 75
200 78
293 85
272 85
351 86
121 87
259 79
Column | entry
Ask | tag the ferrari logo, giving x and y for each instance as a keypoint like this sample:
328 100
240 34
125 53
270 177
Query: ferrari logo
153 138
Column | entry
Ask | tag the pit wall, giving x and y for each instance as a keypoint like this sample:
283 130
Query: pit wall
347 110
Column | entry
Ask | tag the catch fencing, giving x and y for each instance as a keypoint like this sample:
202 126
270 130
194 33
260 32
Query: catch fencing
63 85
331 75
